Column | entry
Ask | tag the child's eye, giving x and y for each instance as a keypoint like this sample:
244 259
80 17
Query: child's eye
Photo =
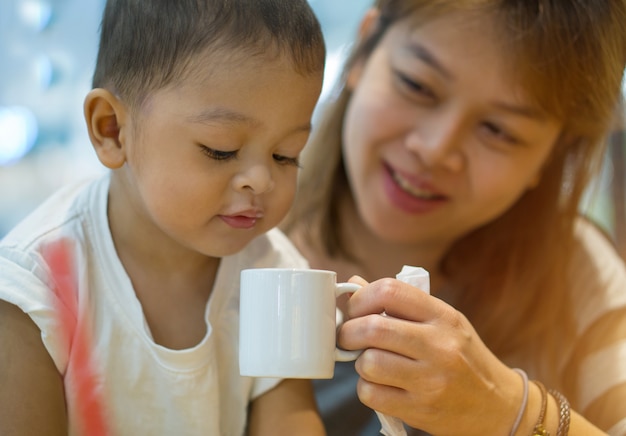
218 154
284 160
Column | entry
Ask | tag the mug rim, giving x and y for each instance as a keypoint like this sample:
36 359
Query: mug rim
279 269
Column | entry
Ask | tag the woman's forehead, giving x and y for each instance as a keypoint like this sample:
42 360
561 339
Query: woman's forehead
484 41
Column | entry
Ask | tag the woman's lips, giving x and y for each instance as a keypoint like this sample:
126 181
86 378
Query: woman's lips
416 191
409 194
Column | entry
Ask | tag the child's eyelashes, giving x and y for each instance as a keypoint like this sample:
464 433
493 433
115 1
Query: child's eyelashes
284 160
218 154
221 155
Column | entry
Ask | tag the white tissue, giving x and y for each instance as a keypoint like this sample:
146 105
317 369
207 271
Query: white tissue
418 277
415 276
391 426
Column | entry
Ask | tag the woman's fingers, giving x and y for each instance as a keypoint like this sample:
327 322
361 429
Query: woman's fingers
358 280
390 369
391 315
406 389
382 398
397 299
423 361
387 333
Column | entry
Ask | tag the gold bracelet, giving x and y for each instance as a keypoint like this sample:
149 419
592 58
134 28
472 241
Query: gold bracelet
540 428
564 413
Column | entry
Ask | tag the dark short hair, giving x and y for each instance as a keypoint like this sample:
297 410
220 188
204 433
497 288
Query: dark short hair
147 44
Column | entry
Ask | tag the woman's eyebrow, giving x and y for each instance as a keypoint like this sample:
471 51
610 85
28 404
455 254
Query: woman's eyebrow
419 51
422 53
521 110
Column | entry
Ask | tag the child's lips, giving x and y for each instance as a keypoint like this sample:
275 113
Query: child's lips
242 220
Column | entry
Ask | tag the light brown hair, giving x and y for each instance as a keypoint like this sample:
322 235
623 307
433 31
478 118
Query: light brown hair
570 58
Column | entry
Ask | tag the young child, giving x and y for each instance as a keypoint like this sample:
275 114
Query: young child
119 296
462 139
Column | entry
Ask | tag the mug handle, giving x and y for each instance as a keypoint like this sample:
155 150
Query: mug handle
340 354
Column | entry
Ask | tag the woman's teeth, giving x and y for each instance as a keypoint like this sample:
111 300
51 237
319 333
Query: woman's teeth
413 190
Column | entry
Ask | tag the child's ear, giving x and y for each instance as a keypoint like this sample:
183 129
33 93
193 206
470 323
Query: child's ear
105 115
368 26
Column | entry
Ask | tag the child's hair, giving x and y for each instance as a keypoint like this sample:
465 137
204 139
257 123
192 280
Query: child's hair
570 58
147 45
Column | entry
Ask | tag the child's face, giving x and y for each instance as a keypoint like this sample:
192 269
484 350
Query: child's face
211 162
438 140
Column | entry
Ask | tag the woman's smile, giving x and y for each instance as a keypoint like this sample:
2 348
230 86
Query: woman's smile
413 187
411 196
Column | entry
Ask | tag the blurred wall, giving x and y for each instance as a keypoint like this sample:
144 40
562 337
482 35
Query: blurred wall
47 54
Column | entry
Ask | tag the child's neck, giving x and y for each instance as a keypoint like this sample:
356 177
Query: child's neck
172 283
174 305
173 301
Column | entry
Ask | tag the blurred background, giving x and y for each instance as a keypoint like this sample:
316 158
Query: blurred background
47 55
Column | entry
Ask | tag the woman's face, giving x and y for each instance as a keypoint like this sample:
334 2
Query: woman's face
438 138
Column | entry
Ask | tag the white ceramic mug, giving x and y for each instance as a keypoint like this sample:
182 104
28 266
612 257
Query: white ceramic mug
288 322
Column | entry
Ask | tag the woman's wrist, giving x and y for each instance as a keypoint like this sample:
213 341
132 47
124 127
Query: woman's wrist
537 419
540 426
564 412
524 402
539 412
531 413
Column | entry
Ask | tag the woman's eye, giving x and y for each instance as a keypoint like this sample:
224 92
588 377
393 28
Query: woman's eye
414 86
284 160
499 133
218 154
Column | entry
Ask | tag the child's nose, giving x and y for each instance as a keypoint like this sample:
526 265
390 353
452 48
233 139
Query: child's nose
256 178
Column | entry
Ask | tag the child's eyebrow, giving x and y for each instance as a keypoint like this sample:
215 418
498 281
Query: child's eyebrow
220 114
224 115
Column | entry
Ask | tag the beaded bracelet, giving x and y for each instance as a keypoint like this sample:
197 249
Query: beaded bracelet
540 428
564 413
522 408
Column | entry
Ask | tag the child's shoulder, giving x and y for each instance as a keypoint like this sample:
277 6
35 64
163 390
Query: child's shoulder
55 213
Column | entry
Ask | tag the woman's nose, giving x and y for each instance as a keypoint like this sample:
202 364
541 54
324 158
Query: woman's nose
255 178
438 143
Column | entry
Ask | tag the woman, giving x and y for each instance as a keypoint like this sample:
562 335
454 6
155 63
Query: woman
461 140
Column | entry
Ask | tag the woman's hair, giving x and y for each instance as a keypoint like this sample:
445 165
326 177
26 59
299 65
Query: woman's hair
570 58
146 45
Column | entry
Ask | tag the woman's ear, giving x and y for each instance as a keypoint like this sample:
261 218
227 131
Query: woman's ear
106 115
368 26
368 23
534 182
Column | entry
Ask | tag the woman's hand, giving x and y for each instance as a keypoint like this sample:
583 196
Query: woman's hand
425 364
